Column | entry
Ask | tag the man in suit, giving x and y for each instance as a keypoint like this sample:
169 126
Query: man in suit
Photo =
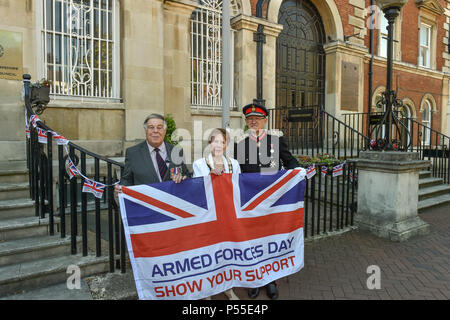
263 151
151 160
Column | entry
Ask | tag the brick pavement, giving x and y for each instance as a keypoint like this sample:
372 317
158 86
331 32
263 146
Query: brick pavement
336 267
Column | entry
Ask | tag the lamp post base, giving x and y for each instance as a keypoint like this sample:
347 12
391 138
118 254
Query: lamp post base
388 186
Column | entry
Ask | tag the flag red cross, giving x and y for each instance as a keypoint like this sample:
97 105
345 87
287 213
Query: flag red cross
226 227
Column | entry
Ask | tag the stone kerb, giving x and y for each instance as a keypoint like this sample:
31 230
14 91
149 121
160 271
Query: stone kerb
388 184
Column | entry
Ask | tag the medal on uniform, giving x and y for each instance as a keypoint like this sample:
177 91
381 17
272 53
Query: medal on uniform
174 171
272 164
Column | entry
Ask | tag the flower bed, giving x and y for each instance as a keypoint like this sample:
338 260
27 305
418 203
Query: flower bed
319 160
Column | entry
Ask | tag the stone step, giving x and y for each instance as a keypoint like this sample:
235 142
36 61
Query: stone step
13 175
54 292
14 190
429 182
26 227
45 272
424 174
16 208
28 249
433 191
433 202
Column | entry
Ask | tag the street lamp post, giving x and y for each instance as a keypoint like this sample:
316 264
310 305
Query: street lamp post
391 10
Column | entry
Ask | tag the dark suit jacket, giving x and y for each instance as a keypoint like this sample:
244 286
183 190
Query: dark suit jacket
271 153
139 168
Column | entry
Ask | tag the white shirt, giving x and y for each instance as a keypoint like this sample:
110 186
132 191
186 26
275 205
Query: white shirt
201 168
162 153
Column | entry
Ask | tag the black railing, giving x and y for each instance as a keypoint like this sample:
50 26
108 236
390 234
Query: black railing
414 136
84 209
330 202
312 130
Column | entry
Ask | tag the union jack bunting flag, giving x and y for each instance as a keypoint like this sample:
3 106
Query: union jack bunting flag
96 188
42 135
311 171
34 119
60 140
337 170
205 235
73 171
324 170
27 125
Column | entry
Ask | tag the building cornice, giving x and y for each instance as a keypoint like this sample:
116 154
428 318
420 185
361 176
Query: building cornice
242 21
407 67
339 46
187 6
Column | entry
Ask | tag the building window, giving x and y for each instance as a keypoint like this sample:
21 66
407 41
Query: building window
425 46
426 121
383 38
206 54
80 47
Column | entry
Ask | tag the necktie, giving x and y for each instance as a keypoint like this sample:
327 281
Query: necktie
161 164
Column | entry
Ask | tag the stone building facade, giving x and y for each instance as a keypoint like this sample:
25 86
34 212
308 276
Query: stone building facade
113 62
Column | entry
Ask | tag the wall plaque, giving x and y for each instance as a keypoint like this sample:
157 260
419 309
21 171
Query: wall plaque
349 86
11 60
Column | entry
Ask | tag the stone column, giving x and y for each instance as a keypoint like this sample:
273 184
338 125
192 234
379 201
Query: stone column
142 64
177 63
388 194
245 59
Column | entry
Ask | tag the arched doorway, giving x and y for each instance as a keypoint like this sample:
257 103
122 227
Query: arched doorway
300 70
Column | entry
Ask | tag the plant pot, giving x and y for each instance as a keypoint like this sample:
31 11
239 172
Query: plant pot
40 95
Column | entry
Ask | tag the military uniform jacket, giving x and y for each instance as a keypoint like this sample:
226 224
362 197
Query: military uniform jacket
267 153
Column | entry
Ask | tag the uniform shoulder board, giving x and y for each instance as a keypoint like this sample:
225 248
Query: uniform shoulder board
242 137
275 132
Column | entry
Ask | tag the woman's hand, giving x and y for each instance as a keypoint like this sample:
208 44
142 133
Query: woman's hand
117 189
217 172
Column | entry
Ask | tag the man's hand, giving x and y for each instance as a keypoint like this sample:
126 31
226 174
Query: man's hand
177 178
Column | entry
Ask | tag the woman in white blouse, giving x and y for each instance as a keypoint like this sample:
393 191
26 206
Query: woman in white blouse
216 162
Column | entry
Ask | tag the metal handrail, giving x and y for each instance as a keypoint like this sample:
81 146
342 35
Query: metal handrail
322 133
40 165
435 146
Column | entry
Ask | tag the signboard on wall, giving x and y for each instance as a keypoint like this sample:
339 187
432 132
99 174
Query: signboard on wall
11 60
350 86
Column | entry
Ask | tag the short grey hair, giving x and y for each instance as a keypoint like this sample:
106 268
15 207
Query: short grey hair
155 116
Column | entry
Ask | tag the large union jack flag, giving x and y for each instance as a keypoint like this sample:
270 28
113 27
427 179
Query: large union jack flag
237 230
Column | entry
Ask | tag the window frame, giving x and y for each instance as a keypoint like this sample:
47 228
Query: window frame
204 101
426 107
396 54
428 47
41 63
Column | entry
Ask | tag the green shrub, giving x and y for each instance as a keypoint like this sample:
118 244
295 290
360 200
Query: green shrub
171 127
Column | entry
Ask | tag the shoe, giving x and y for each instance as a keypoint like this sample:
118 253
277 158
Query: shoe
272 291
253 293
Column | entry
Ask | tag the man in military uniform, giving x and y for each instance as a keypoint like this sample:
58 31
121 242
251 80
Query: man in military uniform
263 151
